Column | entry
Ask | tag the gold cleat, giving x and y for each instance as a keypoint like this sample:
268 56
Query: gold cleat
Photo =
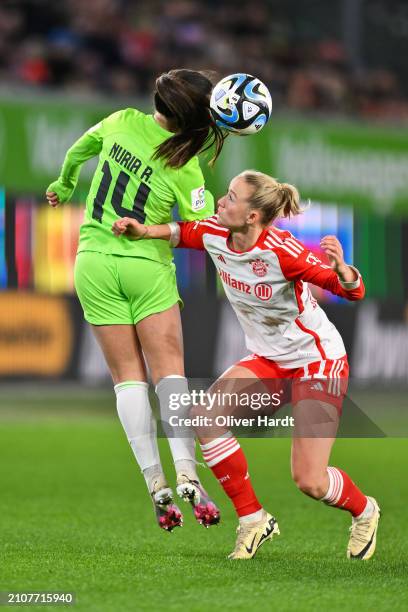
363 535
251 536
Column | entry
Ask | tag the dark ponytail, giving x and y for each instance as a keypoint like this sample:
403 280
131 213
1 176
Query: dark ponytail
183 97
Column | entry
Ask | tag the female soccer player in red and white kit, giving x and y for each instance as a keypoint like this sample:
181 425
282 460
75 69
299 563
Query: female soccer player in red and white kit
265 271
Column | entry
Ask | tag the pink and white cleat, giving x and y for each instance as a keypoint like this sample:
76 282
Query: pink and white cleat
168 514
204 509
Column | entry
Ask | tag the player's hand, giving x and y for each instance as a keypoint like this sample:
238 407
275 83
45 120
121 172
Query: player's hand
129 227
53 199
59 192
334 251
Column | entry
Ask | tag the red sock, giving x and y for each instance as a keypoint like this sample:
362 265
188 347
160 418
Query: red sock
343 493
229 465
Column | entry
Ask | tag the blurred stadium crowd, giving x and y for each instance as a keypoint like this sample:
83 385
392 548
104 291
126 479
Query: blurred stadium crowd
116 47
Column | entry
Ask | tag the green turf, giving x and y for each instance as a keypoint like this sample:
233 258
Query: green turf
75 516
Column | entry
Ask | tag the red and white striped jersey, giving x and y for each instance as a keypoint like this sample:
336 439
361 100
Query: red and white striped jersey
267 287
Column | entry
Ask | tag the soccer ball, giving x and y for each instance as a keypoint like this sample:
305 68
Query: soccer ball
241 103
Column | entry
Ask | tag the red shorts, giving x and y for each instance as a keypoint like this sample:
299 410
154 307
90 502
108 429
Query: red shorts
325 380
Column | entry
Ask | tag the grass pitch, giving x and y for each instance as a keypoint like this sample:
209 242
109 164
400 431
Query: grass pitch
75 516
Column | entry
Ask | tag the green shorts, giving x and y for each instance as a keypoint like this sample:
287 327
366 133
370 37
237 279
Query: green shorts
121 290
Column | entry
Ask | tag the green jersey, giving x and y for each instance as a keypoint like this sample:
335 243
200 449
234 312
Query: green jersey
129 183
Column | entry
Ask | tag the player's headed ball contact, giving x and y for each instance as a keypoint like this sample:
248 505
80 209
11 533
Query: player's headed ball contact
241 103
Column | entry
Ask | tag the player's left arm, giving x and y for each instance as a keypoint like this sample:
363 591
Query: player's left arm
339 278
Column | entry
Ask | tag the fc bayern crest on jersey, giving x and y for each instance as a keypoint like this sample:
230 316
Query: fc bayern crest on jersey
259 267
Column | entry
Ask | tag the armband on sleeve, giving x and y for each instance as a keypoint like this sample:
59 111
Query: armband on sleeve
352 284
174 233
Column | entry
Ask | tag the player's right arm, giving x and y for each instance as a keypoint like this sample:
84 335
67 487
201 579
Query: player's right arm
184 234
87 146
138 231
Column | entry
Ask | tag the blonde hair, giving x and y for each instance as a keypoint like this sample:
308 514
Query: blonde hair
274 199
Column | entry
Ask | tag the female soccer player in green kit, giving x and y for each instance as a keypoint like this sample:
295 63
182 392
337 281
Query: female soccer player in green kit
128 290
